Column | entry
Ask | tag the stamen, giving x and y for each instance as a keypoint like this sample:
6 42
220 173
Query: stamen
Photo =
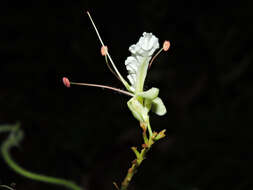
113 65
101 41
166 46
67 84
104 50
152 60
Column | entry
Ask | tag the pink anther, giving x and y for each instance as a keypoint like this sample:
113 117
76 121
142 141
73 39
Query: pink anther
104 50
166 45
66 82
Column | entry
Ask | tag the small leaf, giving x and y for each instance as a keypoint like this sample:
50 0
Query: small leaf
160 135
158 107
136 152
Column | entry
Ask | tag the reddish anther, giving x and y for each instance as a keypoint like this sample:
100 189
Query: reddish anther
166 45
104 50
66 82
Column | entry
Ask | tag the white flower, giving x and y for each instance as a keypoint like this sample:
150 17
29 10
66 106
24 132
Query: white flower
137 63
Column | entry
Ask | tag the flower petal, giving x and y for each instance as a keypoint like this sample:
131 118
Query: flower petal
137 63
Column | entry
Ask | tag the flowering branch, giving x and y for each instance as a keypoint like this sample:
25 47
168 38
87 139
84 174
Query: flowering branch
141 101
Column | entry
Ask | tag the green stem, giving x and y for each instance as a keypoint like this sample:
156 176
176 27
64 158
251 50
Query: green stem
135 165
7 128
6 187
139 157
149 129
12 141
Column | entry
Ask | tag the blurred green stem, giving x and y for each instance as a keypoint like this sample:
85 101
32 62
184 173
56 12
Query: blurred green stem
6 187
15 137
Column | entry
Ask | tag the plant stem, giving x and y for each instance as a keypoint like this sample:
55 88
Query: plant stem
6 187
139 156
131 171
13 140
149 129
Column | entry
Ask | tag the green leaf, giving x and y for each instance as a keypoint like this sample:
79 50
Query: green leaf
158 107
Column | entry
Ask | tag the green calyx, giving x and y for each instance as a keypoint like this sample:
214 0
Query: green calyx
145 101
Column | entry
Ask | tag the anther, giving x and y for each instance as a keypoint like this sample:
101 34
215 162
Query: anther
66 82
104 50
166 45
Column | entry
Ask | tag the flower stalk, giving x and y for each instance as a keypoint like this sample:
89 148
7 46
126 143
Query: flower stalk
141 156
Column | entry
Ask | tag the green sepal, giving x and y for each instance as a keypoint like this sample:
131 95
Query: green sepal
149 94
158 107
137 109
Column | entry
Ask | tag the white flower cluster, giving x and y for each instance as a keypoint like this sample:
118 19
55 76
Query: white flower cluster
140 54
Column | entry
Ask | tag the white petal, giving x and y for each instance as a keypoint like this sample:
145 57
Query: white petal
146 45
141 59
134 49
131 78
141 54
132 68
131 60
131 64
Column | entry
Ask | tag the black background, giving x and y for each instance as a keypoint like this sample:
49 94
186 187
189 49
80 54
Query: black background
84 134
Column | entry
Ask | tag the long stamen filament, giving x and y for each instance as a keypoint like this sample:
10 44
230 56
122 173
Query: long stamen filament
152 60
166 46
104 50
108 65
101 41
103 86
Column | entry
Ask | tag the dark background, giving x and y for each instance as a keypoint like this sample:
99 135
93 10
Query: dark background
85 134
